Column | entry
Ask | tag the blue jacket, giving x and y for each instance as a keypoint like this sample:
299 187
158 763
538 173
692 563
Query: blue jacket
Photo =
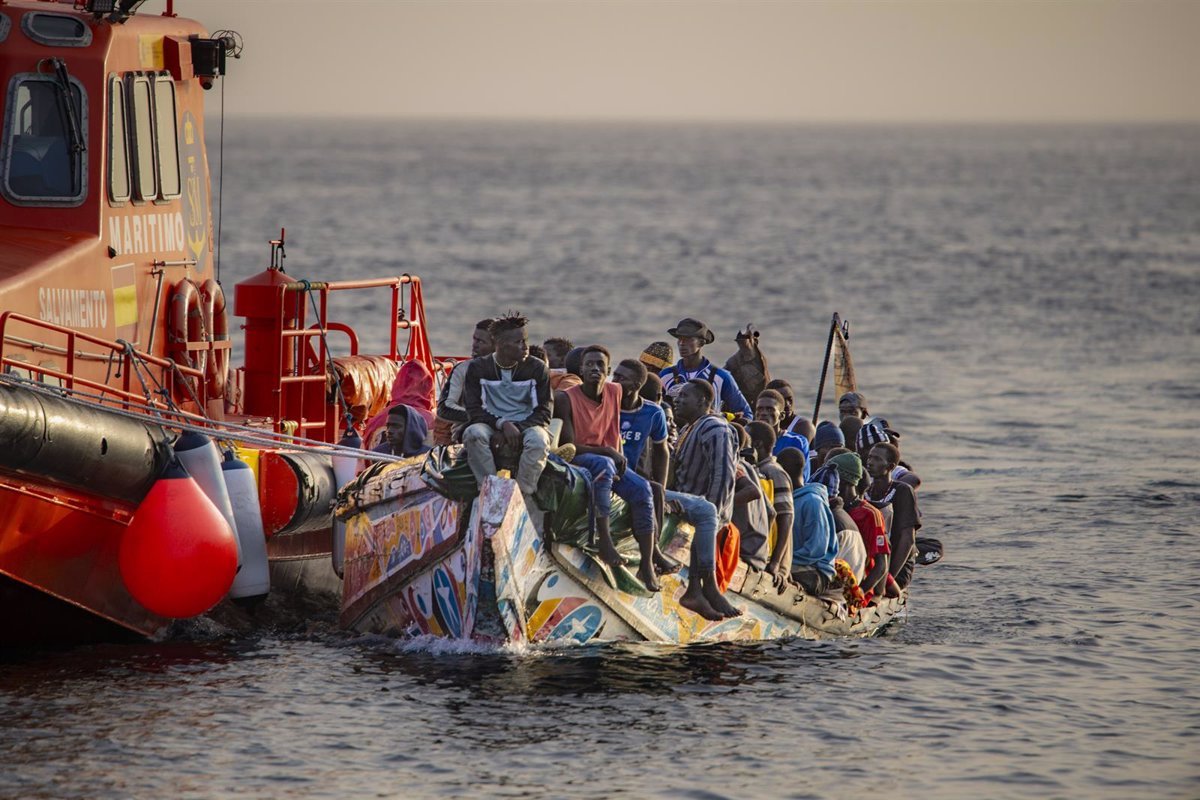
814 532
729 396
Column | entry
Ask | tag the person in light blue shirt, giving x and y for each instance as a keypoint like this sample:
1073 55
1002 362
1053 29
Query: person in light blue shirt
692 335
814 530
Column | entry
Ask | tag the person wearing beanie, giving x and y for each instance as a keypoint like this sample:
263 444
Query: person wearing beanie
850 544
868 436
873 433
869 522
692 335
827 436
657 356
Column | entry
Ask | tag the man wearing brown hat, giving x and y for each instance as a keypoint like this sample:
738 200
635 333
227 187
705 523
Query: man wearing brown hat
692 335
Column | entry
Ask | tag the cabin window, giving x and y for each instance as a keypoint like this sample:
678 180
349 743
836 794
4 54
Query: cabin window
56 30
43 156
145 184
5 24
118 146
166 137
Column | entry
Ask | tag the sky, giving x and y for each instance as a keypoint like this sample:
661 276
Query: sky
843 61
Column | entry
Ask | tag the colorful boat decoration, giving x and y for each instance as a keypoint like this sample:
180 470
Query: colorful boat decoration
115 343
421 562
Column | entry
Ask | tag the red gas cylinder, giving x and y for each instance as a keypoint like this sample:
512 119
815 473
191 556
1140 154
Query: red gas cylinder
178 556
268 311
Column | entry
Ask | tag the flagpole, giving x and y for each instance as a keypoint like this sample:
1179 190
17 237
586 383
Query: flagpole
833 326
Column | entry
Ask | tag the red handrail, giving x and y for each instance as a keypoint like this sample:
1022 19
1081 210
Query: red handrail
116 350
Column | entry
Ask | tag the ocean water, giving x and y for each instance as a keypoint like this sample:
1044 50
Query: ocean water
1025 308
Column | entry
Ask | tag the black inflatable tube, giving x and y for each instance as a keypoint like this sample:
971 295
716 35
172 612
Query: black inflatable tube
79 446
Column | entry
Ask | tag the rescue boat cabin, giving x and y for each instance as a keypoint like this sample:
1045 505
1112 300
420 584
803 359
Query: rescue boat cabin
106 229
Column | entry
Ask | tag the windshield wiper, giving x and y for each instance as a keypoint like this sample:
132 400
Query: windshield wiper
71 114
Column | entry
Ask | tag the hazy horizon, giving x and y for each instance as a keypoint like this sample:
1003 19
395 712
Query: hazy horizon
898 61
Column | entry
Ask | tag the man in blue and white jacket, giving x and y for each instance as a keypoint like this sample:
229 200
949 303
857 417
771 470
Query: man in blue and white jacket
693 335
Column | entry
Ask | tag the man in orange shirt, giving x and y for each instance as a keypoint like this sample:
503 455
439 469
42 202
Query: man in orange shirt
591 417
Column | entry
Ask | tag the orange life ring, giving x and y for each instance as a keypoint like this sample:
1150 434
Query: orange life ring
216 319
186 324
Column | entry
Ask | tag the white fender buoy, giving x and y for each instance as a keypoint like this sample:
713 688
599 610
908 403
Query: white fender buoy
199 456
345 467
254 580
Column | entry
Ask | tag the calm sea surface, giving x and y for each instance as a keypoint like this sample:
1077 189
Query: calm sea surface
1024 308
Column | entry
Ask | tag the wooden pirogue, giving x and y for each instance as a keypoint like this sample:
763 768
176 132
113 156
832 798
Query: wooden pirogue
426 560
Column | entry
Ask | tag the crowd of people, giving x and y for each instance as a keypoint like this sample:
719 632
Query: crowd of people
721 447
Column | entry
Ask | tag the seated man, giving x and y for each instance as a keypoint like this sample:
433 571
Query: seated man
903 471
657 356
779 559
591 415
769 409
789 420
652 392
645 436
451 410
561 378
827 436
853 404
556 351
508 403
850 544
643 424
702 493
814 530
753 511
869 523
873 433
887 494
692 336
405 433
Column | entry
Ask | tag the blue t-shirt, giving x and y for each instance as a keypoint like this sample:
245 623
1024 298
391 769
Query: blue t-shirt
728 396
647 423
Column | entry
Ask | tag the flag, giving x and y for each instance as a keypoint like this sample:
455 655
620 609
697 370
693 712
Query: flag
843 367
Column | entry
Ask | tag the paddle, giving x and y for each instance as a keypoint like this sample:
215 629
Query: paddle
834 324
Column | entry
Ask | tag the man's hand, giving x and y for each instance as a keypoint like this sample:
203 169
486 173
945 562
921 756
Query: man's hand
620 462
511 434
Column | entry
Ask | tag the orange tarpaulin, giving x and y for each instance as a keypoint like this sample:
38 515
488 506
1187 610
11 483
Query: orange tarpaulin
729 546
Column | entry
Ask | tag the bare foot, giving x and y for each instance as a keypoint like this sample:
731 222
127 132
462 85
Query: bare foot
719 603
666 566
646 575
609 555
694 601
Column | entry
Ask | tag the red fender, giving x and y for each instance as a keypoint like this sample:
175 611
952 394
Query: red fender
216 319
185 324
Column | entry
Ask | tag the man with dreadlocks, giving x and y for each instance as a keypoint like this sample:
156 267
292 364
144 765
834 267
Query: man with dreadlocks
508 401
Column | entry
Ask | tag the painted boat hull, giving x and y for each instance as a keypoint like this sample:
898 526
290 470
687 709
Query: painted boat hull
418 562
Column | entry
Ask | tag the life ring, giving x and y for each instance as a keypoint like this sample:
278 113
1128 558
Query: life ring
216 321
186 324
